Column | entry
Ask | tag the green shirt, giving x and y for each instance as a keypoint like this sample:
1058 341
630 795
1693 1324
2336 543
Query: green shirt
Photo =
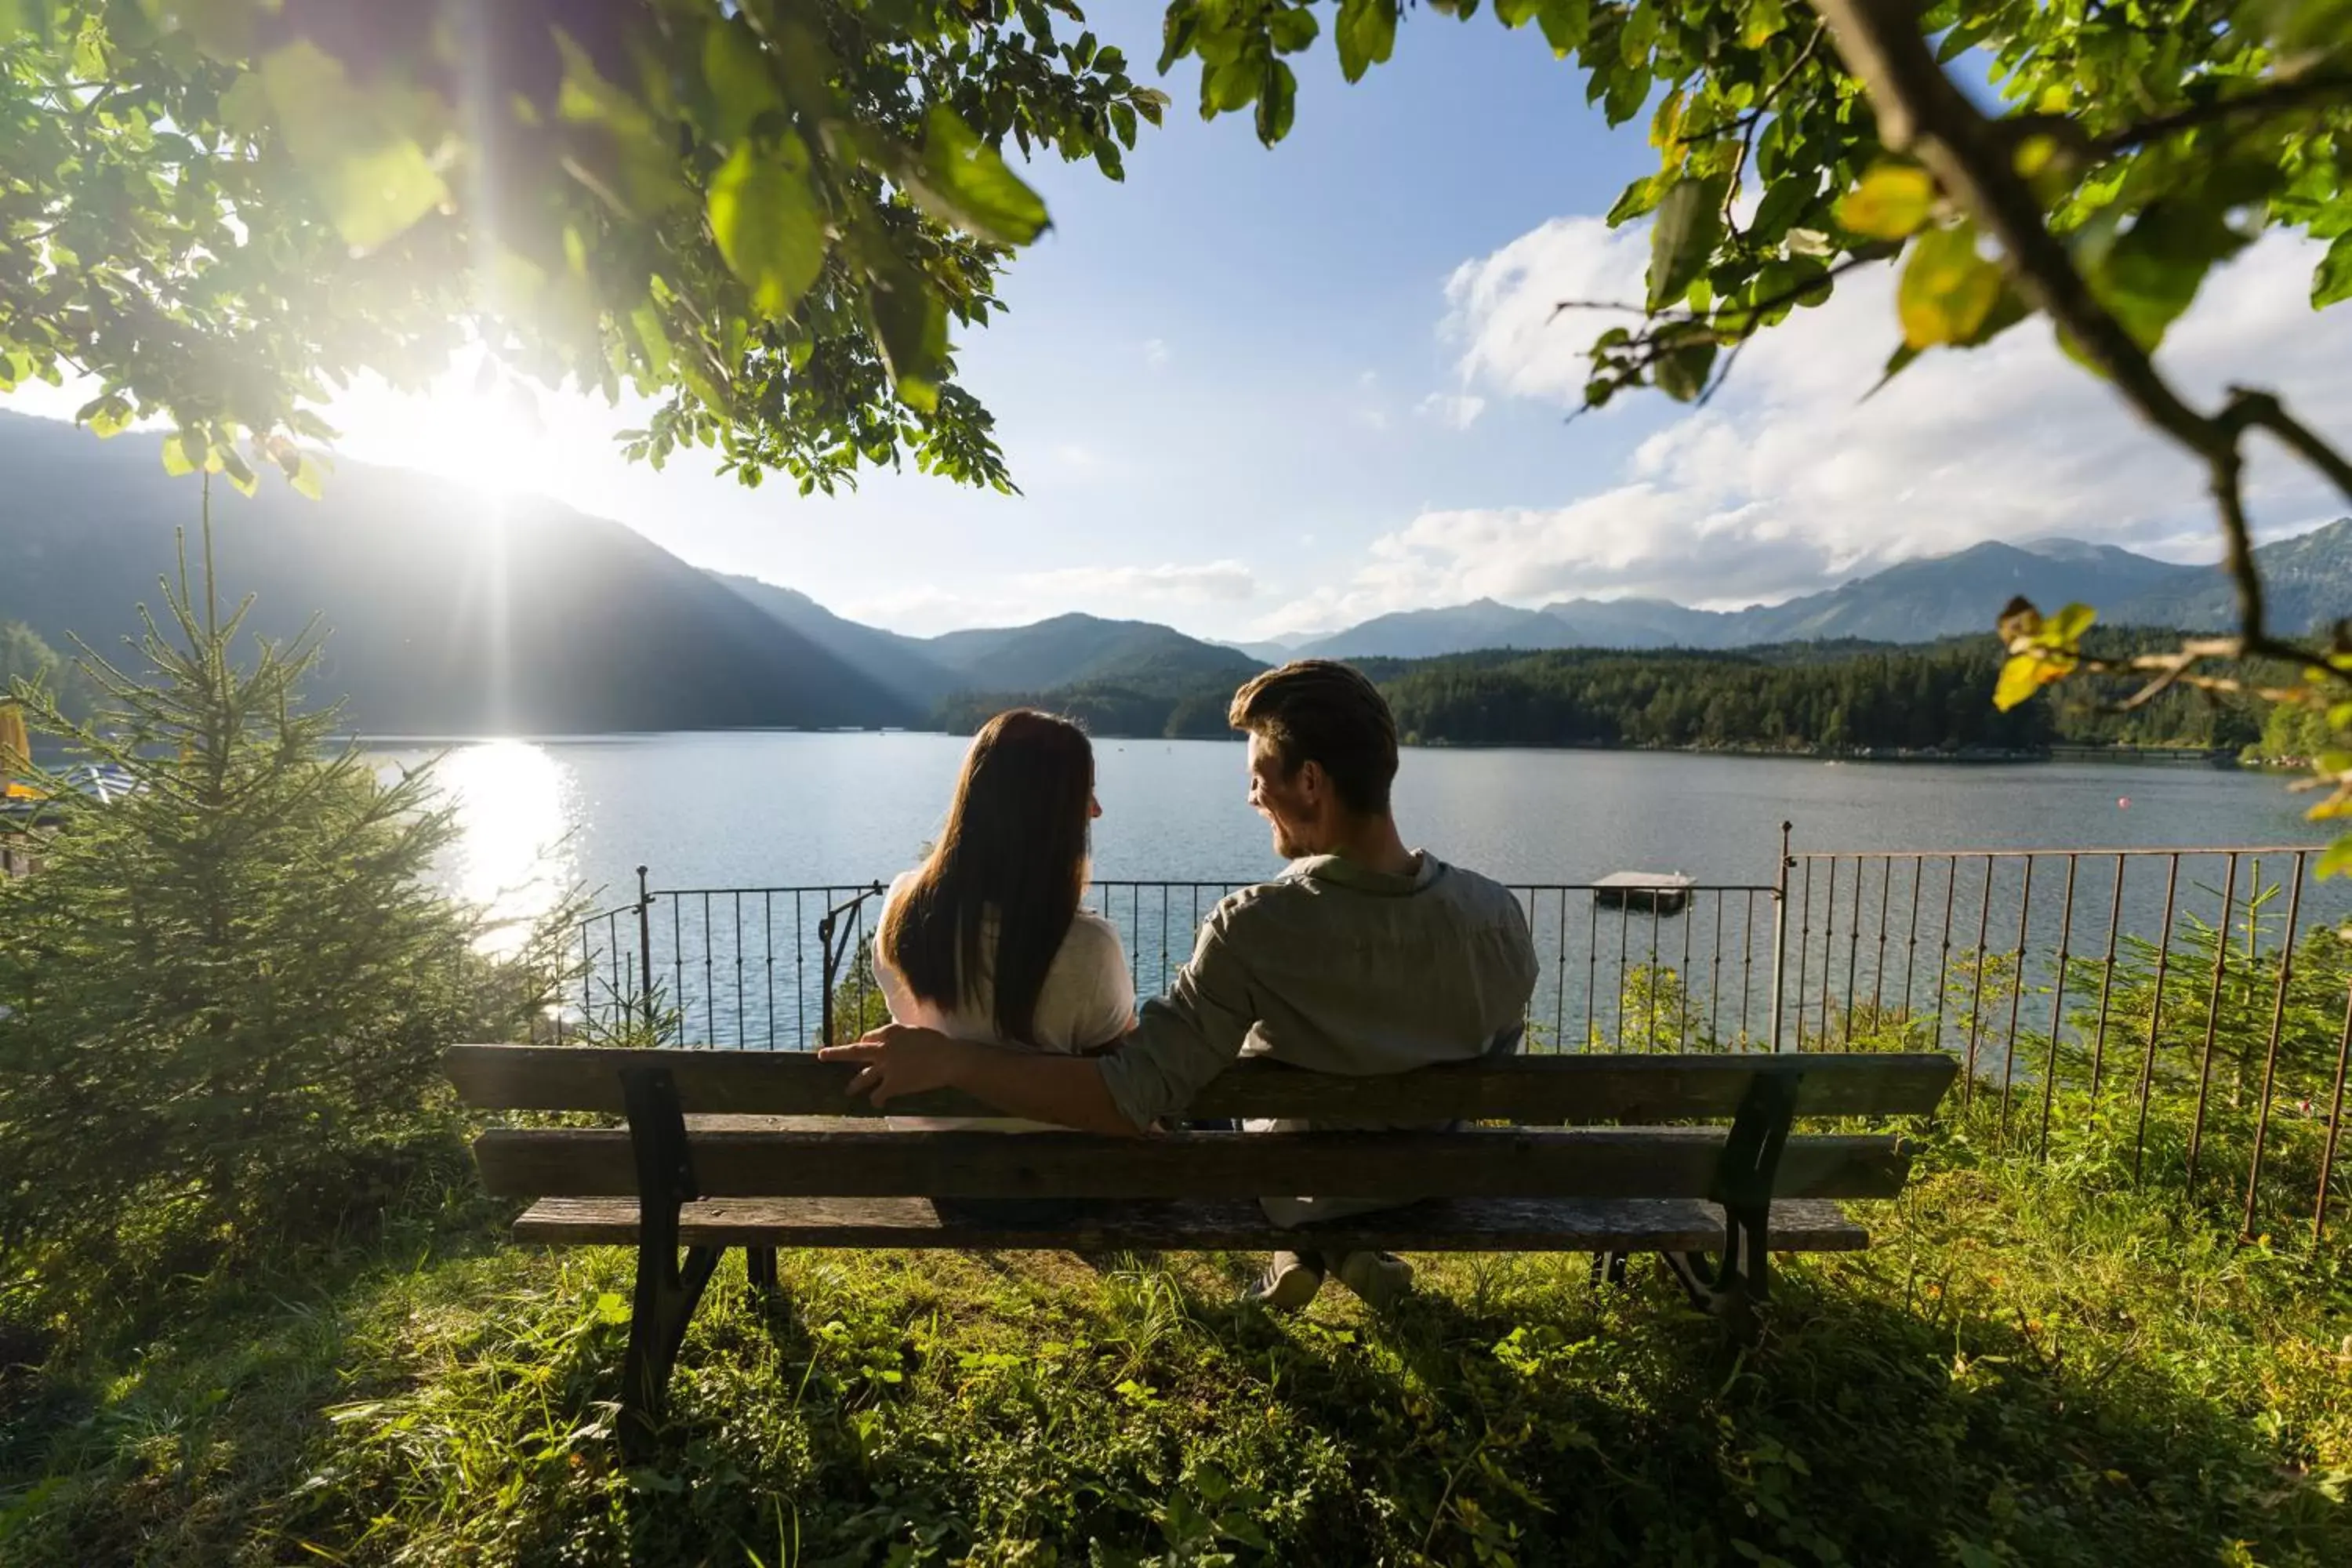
1336 968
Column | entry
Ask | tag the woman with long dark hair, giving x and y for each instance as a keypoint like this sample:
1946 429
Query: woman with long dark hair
986 940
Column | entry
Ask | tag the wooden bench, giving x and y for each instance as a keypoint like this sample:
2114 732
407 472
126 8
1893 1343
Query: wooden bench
763 1151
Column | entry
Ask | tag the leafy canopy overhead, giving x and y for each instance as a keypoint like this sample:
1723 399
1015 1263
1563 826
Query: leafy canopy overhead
766 216
2155 140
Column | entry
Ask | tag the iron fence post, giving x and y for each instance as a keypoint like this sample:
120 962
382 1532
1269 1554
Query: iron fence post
1780 929
644 949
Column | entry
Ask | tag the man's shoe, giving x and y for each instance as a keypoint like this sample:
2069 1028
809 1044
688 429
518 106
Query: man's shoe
1381 1278
1290 1282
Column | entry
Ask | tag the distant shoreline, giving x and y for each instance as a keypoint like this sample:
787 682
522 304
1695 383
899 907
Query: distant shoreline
2137 756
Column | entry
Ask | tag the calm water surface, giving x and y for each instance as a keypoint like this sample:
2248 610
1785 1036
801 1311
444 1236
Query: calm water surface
763 809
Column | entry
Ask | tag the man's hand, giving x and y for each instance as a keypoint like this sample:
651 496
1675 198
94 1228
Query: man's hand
1037 1086
900 1060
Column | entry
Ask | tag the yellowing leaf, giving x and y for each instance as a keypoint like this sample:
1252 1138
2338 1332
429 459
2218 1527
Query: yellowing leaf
176 460
768 226
2067 627
2027 673
1948 289
308 477
1893 202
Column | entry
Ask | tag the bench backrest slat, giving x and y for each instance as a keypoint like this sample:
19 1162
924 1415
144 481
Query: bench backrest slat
1547 1089
1650 1163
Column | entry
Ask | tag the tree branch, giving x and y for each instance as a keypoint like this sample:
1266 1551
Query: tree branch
1746 123
2272 97
1921 112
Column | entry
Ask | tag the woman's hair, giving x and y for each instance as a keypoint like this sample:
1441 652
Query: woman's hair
1014 847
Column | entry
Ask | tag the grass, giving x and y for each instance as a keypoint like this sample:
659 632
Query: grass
2026 1368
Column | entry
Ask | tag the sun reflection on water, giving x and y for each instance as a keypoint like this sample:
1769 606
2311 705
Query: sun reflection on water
517 808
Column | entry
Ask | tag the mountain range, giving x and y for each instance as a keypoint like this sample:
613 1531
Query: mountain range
2309 579
454 615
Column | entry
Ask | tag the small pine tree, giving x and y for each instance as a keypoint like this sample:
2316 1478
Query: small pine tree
229 987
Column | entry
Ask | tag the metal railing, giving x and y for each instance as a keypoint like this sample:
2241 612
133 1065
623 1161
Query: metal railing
2195 1006
786 968
2190 1007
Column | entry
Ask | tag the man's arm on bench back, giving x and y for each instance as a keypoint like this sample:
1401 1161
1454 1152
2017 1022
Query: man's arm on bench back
1066 1091
1181 1041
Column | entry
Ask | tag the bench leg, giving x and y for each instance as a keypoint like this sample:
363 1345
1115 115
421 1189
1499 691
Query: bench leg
760 1268
667 1290
667 1295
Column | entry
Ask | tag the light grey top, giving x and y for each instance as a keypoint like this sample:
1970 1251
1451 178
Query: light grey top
1336 968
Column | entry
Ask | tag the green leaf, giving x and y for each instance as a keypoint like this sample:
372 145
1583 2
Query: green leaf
910 327
1640 197
1628 88
1680 372
1897 363
1229 85
2331 279
1178 30
373 178
245 107
1292 29
1765 20
176 460
1367 34
2152 272
970 185
1566 24
736 68
1948 289
768 224
1277 102
1784 201
1516 13
1893 202
1683 238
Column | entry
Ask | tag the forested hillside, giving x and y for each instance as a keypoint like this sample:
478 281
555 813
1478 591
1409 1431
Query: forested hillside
1843 697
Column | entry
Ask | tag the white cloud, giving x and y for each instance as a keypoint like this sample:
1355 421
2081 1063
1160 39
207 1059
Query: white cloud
1456 410
1790 481
1505 310
1113 590
1019 598
1155 352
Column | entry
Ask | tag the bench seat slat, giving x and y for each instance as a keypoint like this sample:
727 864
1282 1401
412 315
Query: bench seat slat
1538 1090
1599 1162
1460 1224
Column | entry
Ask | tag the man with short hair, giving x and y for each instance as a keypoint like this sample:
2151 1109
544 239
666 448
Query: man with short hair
1362 957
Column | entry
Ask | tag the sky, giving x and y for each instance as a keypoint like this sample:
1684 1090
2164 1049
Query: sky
1254 392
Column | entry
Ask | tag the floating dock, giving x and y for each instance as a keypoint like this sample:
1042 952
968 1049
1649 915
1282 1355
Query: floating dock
1650 892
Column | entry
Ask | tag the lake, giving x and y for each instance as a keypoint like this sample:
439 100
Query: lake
737 809
767 809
